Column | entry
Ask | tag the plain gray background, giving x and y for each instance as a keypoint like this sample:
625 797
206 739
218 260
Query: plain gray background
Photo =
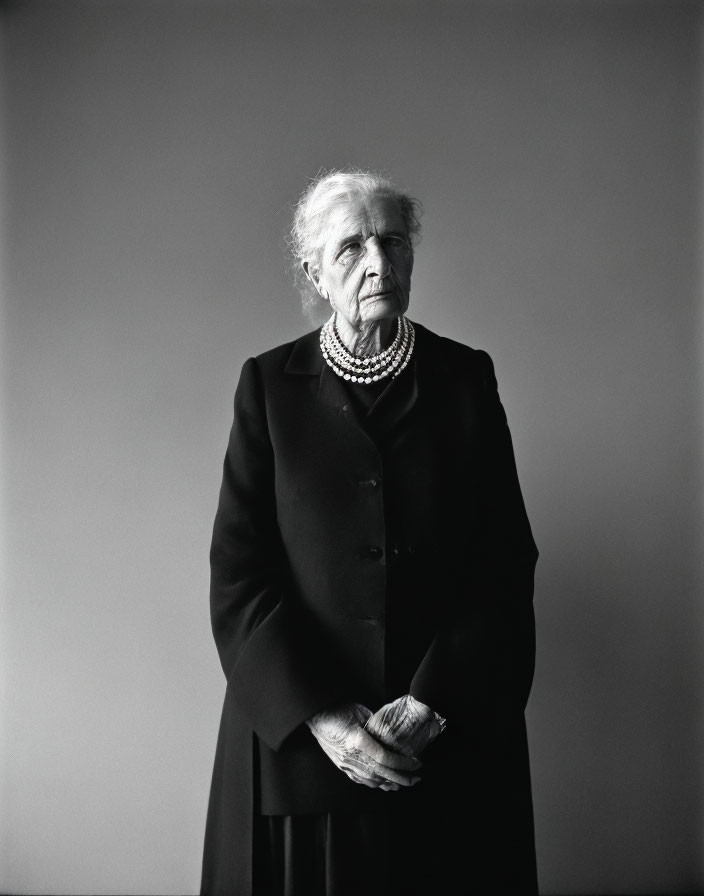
152 153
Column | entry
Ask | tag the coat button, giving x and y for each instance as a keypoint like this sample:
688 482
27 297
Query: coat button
375 553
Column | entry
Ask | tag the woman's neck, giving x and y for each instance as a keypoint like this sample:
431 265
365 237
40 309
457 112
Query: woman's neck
367 339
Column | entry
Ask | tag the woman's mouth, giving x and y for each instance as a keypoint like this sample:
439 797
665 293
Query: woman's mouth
382 292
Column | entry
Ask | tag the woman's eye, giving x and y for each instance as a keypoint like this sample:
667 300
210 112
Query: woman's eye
351 249
395 242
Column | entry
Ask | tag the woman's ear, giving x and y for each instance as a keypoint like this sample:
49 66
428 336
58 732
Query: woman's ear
312 272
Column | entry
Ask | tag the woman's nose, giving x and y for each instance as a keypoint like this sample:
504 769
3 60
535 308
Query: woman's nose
378 264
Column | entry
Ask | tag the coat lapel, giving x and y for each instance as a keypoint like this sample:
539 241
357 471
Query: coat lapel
426 372
331 396
425 378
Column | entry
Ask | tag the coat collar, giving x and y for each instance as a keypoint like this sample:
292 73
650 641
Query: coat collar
429 365
305 357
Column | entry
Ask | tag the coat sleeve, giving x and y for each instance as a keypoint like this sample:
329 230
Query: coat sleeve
482 657
272 657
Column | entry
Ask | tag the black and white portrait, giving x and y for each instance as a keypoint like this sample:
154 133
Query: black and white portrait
351 447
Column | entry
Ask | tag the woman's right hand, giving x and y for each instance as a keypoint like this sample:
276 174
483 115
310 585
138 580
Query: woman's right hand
340 732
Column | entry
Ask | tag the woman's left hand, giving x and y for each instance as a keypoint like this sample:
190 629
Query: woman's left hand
406 725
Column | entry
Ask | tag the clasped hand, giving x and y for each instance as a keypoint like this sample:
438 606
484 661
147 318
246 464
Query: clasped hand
377 749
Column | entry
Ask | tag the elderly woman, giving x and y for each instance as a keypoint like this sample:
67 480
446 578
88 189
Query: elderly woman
371 598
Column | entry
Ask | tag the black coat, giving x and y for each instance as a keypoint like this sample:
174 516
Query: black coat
352 567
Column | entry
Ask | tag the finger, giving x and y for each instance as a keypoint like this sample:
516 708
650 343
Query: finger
355 778
365 771
394 776
373 781
365 767
361 712
363 741
358 779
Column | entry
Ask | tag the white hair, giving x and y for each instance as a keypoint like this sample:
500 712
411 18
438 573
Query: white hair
326 192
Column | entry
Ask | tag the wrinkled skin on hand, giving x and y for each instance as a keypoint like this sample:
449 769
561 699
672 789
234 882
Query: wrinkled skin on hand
340 732
406 726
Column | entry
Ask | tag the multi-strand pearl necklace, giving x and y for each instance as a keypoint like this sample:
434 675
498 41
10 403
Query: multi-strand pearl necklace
390 362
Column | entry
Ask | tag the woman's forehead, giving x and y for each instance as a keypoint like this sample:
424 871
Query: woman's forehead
362 215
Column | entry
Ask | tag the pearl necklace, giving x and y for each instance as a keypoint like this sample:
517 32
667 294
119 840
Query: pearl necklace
390 362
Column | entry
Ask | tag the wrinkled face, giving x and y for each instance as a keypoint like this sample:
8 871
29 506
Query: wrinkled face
364 269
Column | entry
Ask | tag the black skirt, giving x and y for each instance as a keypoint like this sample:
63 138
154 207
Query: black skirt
348 854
